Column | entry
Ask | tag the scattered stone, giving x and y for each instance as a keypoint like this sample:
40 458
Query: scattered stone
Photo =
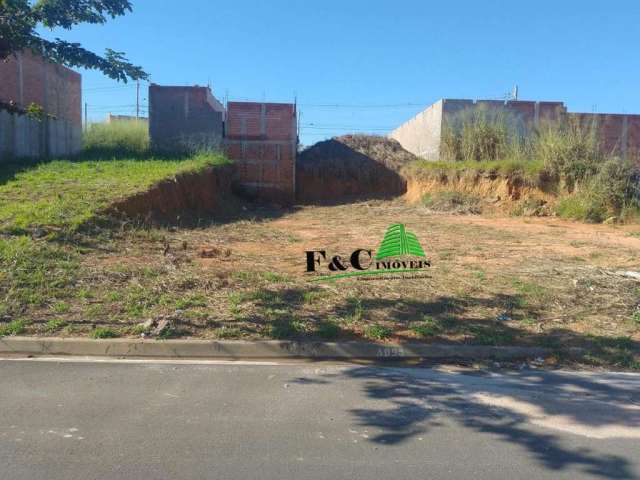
630 274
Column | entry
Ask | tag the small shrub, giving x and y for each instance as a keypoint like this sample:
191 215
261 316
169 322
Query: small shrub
584 206
377 332
103 332
570 151
617 184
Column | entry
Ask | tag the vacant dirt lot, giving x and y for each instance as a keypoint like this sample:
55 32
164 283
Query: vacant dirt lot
493 281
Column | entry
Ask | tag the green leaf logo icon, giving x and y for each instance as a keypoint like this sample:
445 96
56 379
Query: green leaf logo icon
397 242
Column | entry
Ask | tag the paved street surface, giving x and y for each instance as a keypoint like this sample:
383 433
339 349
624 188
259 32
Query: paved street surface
86 420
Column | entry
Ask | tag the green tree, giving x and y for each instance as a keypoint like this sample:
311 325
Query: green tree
20 19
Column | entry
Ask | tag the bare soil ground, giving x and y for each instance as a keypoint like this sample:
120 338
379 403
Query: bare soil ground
493 280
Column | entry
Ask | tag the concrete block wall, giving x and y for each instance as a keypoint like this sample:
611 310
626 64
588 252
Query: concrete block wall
421 135
184 118
619 134
262 140
25 137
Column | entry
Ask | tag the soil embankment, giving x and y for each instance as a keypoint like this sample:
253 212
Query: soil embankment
496 187
203 192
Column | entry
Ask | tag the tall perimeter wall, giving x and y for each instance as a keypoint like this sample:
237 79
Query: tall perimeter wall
619 134
25 79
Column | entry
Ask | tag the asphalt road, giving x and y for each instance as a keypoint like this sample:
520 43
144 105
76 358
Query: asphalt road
85 420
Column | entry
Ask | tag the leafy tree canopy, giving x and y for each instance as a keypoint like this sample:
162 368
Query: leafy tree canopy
19 20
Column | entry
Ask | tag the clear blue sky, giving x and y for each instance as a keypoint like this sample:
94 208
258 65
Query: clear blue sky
370 57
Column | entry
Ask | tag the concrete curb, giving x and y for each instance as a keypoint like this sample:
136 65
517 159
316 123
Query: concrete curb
270 349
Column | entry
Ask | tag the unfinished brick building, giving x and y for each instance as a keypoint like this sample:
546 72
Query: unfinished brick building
619 134
262 139
29 79
184 118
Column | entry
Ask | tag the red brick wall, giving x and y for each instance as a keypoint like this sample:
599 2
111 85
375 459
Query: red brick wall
54 87
262 140
618 134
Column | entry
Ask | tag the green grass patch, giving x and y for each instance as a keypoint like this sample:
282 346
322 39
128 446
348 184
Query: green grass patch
55 325
286 328
328 330
617 351
377 332
490 336
16 327
428 327
35 272
274 277
117 138
583 207
191 301
65 194
103 332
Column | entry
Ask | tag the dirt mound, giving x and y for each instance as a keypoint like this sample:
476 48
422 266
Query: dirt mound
349 167
188 194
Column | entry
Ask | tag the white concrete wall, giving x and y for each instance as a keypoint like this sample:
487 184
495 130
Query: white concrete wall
25 137
421 135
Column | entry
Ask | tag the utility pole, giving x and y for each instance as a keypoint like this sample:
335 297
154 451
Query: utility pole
137 100
86 125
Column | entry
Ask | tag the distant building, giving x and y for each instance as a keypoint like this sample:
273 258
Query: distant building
619 134
125 118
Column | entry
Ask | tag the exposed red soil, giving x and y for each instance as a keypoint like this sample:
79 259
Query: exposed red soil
188 193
